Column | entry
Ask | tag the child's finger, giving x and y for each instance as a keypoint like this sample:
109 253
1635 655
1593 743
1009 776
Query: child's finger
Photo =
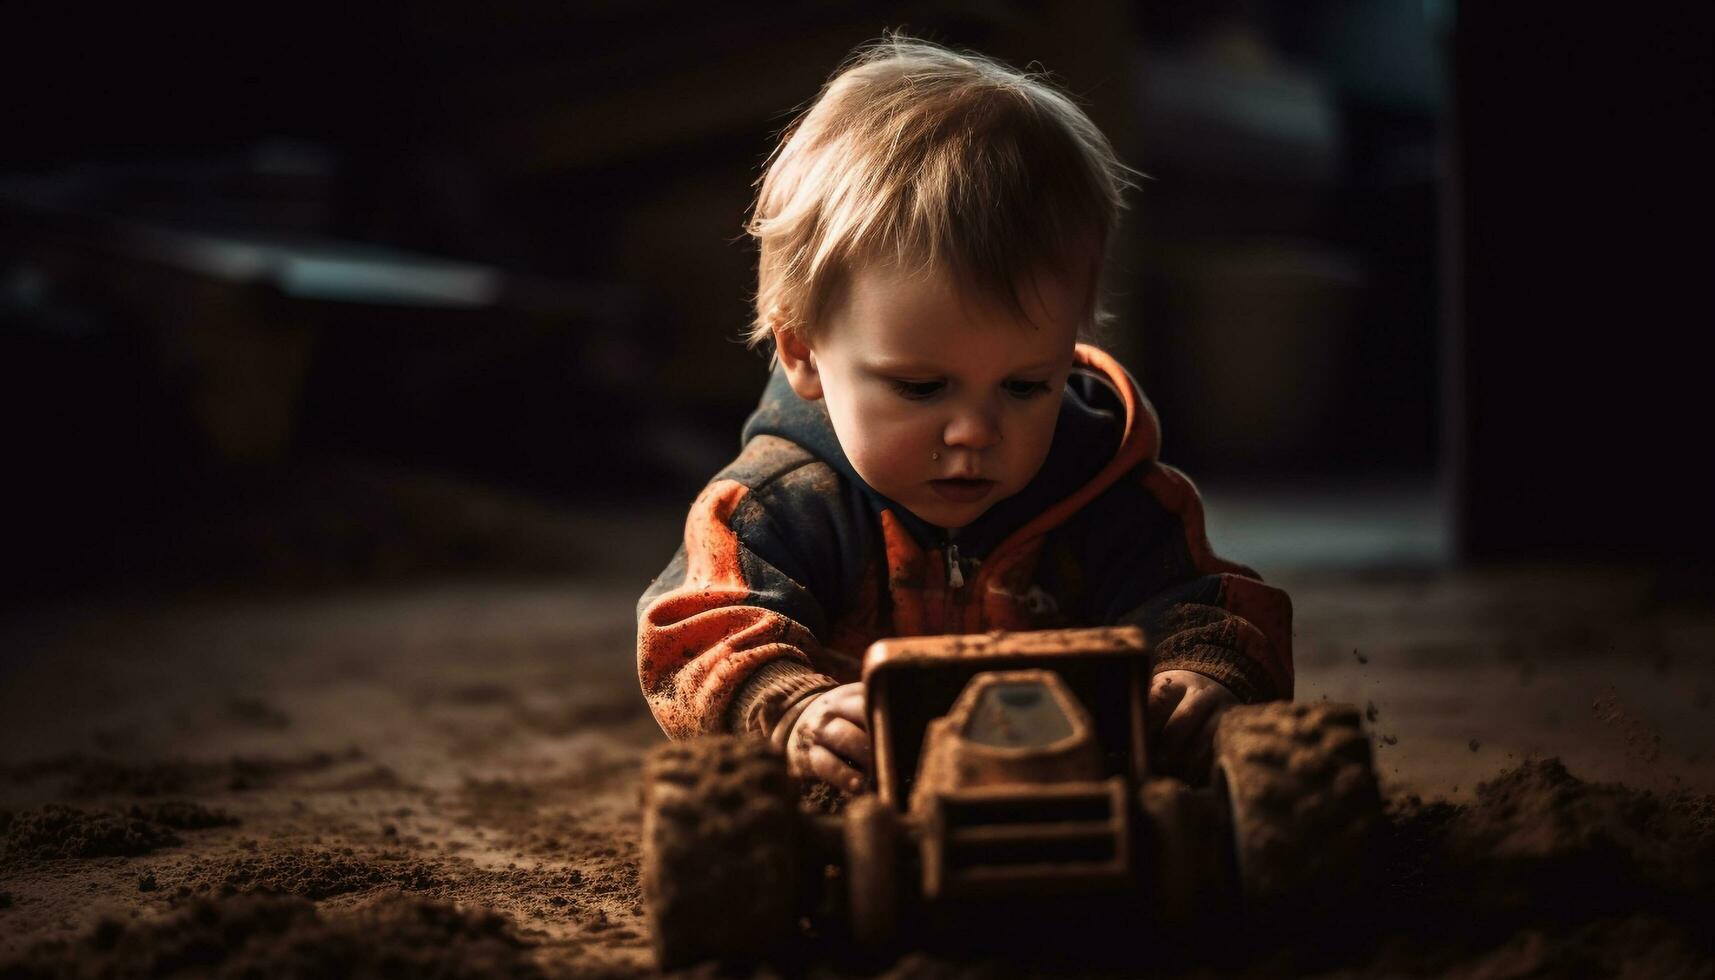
848 702
1165 694
1189 717
833 770
846 740
1180 737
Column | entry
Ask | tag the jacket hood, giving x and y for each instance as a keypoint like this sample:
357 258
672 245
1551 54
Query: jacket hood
1106 426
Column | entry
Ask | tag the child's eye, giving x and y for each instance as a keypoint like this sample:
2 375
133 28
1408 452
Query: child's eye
916 390
1026 389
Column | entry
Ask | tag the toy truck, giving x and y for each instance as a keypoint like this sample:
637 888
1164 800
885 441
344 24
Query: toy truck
1009 768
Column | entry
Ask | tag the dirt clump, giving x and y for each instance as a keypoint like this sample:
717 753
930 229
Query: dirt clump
283 936
1541 841
58 832
1544 868
317 875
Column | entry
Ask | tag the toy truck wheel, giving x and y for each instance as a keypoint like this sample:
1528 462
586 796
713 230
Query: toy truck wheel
1297 784
720 850
872 871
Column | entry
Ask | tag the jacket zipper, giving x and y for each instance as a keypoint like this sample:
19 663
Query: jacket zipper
955 574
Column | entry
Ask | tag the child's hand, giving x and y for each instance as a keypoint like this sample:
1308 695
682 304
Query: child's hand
1184 707
830 739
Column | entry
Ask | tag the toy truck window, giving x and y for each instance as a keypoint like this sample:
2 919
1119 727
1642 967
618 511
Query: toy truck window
1018 716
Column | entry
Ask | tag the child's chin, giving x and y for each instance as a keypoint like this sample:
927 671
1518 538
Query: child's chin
951 517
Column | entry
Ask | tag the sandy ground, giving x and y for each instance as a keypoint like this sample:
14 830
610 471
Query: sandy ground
446 772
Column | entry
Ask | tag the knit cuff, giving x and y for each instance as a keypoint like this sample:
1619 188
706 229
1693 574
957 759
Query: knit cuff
1237 672
770 693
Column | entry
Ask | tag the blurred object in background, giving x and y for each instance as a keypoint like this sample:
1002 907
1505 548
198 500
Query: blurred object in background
268 333
206 341
1289 308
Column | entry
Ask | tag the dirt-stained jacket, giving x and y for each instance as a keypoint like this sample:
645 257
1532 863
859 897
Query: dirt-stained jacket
792 565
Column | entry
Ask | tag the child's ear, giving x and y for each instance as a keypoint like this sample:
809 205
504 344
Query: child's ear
799 361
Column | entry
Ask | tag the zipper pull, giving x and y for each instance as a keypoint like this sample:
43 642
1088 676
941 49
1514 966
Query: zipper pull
955 574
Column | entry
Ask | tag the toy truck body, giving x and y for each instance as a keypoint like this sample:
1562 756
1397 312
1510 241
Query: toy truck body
1009 769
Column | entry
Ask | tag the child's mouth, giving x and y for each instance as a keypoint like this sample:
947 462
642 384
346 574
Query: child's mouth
962 491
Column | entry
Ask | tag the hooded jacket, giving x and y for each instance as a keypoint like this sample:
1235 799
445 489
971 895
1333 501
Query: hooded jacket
792 565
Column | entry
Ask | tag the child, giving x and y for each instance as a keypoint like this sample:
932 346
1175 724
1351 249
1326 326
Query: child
935 451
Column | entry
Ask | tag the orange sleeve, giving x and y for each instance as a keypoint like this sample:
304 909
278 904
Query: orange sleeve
700 633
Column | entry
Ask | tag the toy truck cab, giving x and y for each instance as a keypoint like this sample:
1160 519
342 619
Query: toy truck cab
1014 758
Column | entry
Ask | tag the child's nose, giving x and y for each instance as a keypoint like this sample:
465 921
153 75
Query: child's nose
972 428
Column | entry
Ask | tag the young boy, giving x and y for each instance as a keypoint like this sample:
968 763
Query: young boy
935 451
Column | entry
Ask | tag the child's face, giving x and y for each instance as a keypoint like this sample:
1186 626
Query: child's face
943 402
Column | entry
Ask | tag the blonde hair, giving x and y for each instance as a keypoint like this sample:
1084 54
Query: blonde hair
933 160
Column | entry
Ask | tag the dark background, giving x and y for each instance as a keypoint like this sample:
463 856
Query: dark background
297 294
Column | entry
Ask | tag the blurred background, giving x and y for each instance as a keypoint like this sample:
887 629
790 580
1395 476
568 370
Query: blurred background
327 294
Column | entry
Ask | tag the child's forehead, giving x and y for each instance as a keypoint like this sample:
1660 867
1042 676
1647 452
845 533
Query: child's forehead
913 321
